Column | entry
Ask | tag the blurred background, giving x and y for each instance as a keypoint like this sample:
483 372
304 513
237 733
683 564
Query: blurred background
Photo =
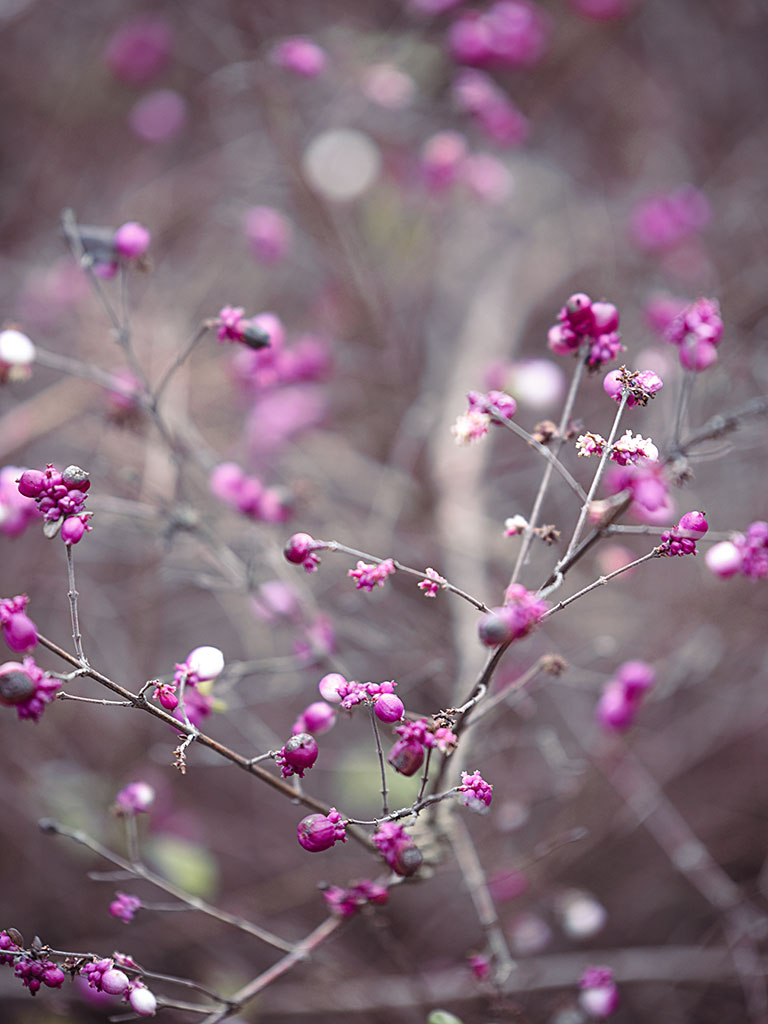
414 203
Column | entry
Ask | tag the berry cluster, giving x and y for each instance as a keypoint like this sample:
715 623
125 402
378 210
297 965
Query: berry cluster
516 618
347 902
61 499
746 553
475 792
681 539
584 322
103 976
509 34
482 409
397 848
249 495
622 695
407 754
697 332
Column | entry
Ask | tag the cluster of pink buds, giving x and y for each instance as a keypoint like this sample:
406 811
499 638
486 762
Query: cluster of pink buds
397 848
697 332
628 449
306 359
649 487
19 631
124 907
582 321
249 495
17 354
516 618
297 755
475 792
599 996
681 539
347 902
233 326
622 695
299 55
367 576
61 499
33 971
103 976
509 34
475 93
639 385
746 553
434 582
483 409
416 737
387 706
26 687
318 832
663 221
301 549
445 161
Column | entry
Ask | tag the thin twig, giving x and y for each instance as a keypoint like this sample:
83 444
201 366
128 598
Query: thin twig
140 870
73 612
565 418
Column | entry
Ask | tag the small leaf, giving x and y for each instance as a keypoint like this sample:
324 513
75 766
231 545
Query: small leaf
52 526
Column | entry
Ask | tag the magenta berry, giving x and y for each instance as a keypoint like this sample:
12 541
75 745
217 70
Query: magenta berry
388 707
494 628
693 524
132 240
724 559
142 1001
32 483
332 686
16 687
297 755
301 550
406 756
319 832
316 718
114 981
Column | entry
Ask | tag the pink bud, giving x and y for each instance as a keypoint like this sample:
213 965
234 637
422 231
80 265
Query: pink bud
298 547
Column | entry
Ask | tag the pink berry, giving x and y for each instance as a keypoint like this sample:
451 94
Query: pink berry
318 717
132 240
32 483
114 982
693 524
299 546
142 1002
330 685
724 559
494 628
318 832
20 632
16 686
388 707
406 756
300 752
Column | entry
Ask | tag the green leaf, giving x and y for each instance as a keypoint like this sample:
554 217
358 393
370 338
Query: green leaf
186 864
